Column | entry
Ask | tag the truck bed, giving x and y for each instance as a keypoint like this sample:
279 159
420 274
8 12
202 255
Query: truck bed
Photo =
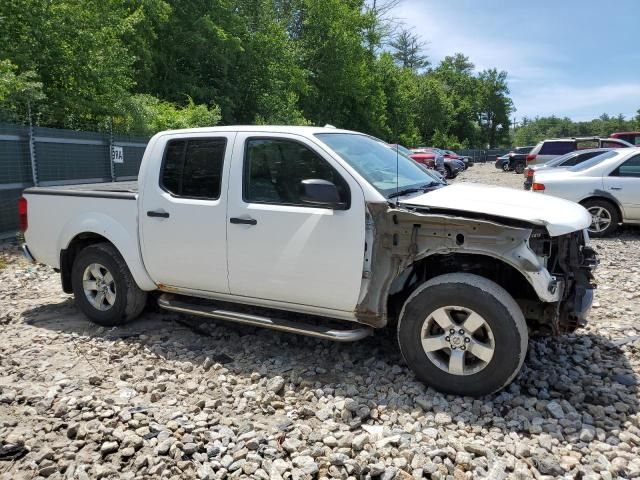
121 190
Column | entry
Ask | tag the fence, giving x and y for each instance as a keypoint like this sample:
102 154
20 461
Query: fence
49 156
481 156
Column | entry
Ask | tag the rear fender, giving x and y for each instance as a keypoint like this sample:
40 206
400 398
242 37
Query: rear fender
126 242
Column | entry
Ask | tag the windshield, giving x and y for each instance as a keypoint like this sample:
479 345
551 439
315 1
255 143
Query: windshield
593 161
403 150
378 164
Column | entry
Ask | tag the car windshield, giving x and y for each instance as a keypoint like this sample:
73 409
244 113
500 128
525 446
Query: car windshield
403 150
593 161
378 164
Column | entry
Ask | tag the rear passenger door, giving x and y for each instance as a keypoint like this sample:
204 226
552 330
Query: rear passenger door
281 249
183 213
624 184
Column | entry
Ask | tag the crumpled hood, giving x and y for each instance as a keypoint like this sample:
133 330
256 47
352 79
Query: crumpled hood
559 216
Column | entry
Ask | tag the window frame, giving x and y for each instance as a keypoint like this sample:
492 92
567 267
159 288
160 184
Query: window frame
616 171
186 141
245 177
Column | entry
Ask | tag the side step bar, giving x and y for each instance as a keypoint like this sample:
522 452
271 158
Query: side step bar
170 302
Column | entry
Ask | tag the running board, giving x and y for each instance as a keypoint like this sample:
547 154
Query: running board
170 302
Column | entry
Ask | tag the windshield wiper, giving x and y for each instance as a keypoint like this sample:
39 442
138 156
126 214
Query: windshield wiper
407 191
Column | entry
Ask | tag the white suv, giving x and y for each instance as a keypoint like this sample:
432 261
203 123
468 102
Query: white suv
549 149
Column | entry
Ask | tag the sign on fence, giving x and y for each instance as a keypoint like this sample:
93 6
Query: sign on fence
117 154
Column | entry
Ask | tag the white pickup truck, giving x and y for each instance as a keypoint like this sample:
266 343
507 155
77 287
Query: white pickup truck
323 232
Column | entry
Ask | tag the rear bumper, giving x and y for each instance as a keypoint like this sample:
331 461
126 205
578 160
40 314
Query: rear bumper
27 253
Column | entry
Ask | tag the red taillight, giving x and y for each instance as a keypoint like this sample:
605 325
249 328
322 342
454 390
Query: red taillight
22 214
529 173
538 187
531 157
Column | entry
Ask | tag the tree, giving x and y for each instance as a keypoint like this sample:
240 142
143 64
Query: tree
495 107
18 92
409 50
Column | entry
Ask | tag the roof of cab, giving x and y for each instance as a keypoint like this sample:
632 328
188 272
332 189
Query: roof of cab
298 130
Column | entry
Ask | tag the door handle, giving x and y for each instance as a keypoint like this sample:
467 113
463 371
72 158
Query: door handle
616 188
243 221
158 214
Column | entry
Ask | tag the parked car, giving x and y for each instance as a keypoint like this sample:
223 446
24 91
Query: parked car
549 149
452 167
632 137
331 226
563 162
468 161
607 185
423 158
514 160
425 154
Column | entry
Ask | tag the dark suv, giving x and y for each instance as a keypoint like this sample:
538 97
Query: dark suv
514 160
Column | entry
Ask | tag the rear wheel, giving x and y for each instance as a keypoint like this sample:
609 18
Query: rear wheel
604 217
103 286
463 334
519 168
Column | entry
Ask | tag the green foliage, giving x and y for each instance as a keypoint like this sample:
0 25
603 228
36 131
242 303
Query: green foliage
18 91
148 115
141 66
530 132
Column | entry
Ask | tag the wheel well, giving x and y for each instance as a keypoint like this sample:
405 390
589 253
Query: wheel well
68 255
485 266
604 199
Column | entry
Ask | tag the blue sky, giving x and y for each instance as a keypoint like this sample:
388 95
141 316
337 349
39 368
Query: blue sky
564 57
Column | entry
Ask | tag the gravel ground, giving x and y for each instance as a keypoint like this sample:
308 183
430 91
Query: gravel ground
171 397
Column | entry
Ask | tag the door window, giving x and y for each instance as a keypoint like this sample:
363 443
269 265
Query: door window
192 168
630 168
275 168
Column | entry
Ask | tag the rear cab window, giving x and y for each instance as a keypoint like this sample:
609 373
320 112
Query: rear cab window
192 168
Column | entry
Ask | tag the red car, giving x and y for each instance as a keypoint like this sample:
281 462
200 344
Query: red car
632 137
426 158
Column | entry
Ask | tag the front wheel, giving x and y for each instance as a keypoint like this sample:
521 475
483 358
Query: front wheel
519 168
104 288
506 167
463 334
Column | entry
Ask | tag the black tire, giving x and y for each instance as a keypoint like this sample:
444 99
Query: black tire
448 172
129 299
506 166
519 168
608 209
496 308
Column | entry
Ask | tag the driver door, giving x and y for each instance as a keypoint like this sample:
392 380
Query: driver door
280 249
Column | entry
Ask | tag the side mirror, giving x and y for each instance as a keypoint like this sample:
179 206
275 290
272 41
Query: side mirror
321 193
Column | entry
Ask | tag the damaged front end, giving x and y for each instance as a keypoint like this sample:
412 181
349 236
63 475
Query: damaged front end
550 277
572 261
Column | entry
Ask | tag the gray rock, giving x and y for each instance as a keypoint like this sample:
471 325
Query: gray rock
275 384
555 409
109 447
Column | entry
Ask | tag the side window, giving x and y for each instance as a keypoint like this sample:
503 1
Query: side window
557 148
192 168
609 144
630 168
275 168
